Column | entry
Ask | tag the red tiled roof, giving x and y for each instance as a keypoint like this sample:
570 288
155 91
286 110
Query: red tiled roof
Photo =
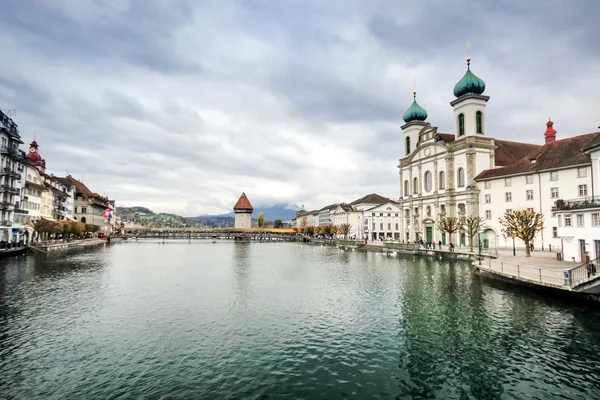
243 203
509 153
82 190
558 154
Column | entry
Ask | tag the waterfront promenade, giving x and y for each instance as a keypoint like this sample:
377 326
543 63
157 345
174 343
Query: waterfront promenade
541 269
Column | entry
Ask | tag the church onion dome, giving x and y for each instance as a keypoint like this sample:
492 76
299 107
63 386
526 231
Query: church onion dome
415 112
470 83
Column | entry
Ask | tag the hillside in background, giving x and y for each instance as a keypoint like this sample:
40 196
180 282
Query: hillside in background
146 217
283 212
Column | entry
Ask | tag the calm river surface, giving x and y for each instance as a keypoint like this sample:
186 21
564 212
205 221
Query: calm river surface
272 320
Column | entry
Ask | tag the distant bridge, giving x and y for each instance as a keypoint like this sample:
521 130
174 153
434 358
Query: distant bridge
287 235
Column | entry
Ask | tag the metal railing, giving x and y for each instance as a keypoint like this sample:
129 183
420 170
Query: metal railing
577 204
525 272
584 272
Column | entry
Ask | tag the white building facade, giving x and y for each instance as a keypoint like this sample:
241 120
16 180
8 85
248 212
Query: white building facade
11 168
557 170
438 170
578 218
372 217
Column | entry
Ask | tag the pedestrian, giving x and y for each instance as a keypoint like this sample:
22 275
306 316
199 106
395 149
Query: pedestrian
531 246
440 244
451 247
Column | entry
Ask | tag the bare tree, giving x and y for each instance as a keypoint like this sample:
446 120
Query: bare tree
345 229
471 225
523 225
449 225
303 224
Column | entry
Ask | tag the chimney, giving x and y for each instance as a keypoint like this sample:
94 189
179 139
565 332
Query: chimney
550 133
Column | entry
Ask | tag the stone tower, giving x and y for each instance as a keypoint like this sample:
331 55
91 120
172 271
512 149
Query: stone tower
243 213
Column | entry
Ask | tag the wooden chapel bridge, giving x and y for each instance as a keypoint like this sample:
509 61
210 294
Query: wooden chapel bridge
266 234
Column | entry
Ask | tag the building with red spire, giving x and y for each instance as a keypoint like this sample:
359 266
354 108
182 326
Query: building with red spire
34 158
243 213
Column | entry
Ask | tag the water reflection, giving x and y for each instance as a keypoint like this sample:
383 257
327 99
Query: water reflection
258 320
242 268
465 340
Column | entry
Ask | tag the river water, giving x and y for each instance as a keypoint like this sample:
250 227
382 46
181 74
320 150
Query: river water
231 320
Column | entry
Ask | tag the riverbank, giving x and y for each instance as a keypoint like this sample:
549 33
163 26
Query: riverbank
540 271
58 245
396 249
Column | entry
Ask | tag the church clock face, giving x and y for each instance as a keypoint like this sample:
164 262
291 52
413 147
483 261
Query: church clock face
32 149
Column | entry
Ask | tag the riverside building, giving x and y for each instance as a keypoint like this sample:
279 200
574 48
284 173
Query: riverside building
471 173
438 170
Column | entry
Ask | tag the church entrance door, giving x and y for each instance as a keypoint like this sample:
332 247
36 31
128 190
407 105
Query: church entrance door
429 233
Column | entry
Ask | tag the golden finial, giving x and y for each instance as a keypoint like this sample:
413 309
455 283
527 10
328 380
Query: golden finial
415 87
468 55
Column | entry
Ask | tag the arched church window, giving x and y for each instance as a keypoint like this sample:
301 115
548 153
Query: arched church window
461 124
407 145
428 181
415 185
442 180
406 190
461 177
479 121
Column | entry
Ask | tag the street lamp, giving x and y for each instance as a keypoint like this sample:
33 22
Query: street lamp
479 238
514 250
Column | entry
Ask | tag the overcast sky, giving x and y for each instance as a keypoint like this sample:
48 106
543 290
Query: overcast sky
180 105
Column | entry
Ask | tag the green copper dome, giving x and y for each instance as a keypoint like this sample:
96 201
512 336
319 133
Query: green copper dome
469 83
415 112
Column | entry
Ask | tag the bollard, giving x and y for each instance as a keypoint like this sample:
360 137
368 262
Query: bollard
540 275
518 271
567 276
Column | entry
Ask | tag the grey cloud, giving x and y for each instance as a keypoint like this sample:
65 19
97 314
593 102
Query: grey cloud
299 101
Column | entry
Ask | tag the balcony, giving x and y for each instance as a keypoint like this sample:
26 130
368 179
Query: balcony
19 211
9 151
9 171
6 205
576 204
6 223
9 190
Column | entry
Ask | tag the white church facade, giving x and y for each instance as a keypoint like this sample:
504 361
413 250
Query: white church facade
472 173
438 170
